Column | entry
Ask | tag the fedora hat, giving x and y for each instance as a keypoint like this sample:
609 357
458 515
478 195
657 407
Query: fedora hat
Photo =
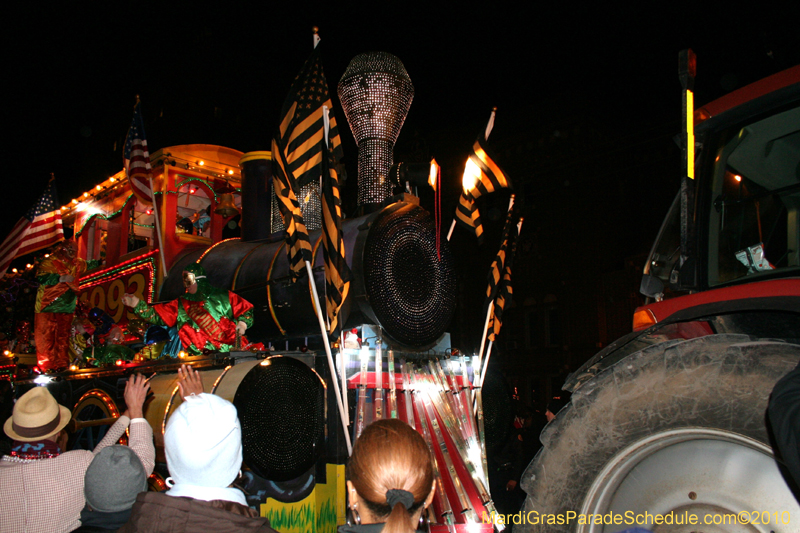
36 416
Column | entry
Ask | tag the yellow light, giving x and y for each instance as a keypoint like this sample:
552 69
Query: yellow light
86 195
471 175
690 134
29 266
119 362
14 270
265 362
201 163
73 367
433 174
113 179
737 177
643 318
99 188
6 352
230 171
47 255
181 354
74 201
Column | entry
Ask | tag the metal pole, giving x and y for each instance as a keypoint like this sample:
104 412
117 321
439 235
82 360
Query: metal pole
334 377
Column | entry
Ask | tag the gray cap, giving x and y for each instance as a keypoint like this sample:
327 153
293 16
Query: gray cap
113 479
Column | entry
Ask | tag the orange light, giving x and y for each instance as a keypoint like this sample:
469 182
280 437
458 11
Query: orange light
230 172
201 163
99 188
434 173
86 195
6 352
74 201
642 319
737 177
14 270
73 367
181 354
29 266
191 190
112 180
119 362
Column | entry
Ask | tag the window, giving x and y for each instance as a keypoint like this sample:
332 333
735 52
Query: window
194 210
140 232
754 226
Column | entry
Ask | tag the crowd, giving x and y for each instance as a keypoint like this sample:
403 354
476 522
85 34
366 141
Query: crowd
48 489
390 477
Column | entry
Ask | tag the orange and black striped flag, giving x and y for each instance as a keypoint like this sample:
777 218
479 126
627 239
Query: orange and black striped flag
499 291
481 176
337 273
504 292
298 150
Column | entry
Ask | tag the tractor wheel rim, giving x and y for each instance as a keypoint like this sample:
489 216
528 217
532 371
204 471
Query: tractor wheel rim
709 473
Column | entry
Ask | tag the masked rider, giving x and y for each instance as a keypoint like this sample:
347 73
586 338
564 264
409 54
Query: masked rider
55 304
207 317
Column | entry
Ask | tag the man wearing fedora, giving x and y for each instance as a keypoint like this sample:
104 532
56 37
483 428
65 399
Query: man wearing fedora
42 484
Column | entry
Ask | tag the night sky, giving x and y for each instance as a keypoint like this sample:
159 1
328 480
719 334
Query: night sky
219 75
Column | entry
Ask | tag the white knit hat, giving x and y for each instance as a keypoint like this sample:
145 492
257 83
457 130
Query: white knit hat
203 442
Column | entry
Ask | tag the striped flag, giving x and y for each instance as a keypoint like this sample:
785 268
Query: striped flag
298 149
504 291
136 158
337 273
499 288
481 176
39 228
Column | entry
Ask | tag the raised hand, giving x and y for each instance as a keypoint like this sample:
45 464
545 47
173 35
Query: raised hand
189 381
135 394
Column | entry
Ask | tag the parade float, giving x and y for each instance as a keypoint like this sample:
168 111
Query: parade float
301 400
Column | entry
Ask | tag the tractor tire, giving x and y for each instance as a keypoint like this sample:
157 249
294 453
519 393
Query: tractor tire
677 427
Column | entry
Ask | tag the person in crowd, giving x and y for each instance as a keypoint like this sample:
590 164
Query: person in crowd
390 480
42 484
784 417
203 446
556 404
110 486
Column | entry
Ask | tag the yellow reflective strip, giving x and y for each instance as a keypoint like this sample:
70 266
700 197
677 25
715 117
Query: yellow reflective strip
690 134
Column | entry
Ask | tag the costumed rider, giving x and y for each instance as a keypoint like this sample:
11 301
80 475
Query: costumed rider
206 317
55 304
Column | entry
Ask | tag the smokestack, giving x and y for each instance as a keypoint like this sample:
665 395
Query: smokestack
376 93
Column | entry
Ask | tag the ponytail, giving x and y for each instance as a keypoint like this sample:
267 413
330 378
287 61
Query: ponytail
399 520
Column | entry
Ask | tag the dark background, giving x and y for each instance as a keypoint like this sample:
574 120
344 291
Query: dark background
588 104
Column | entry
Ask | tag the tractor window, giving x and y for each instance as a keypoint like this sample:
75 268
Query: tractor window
666 252
754 225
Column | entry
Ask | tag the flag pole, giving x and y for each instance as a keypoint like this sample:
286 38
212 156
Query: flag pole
158 227
486 365
491 304
489 349
330 357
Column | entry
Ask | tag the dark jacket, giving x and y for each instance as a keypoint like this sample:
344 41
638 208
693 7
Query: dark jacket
99 522
784 417
155 512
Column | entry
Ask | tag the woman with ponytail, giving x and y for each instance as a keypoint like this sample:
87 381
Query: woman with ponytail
389 479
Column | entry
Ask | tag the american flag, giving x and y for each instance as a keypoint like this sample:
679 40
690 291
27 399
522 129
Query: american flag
137 158
39 228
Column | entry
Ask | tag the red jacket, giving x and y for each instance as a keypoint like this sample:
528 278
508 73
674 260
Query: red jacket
155 512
